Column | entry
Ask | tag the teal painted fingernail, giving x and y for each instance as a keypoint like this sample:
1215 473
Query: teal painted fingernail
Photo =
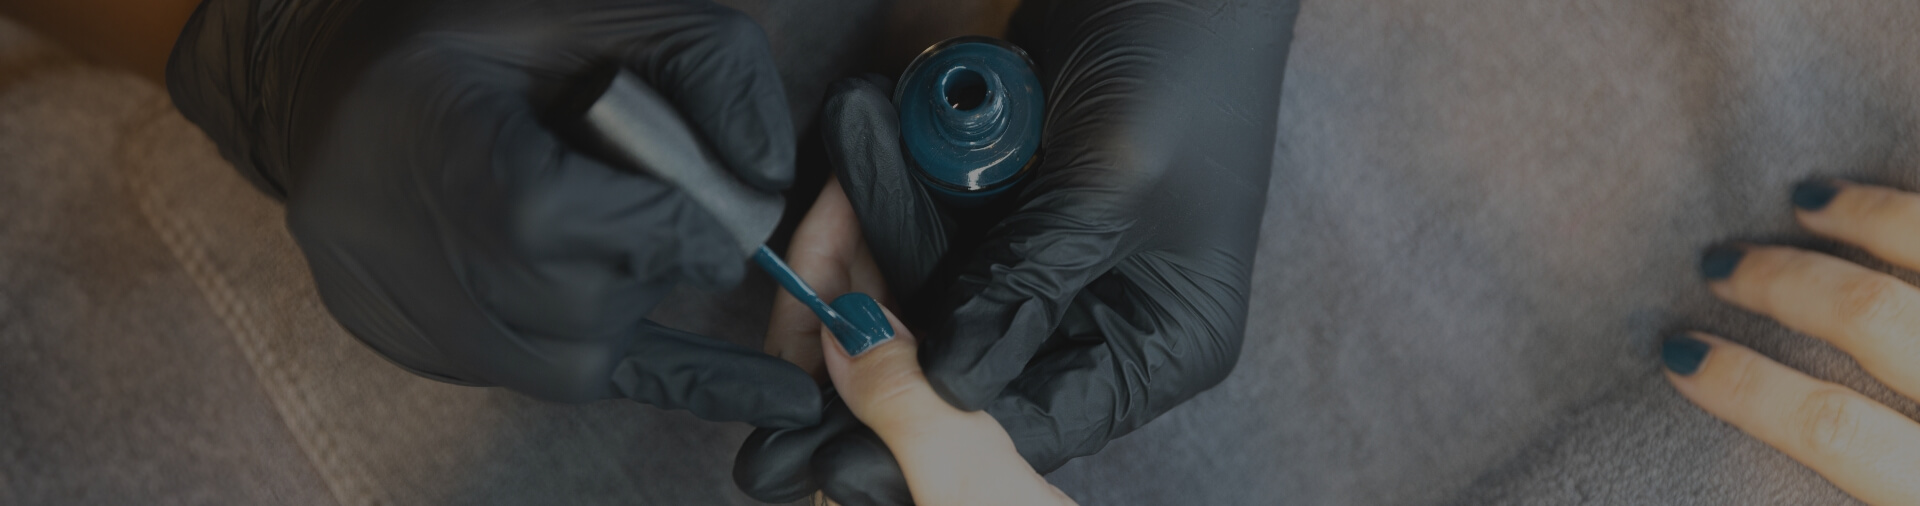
1682 353
1719 261
867 325
1814 195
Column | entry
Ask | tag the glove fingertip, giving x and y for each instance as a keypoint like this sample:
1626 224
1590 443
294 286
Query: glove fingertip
715 380
725 82
709 256
883 82
856 106
760 144
768 175
768 162
769 470
719 273
789 408
864 86
857 469
774 464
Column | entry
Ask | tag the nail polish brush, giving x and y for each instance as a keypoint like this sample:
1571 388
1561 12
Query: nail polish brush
626 120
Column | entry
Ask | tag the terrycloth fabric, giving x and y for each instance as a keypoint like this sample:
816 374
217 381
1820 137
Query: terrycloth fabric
1483 216
119 382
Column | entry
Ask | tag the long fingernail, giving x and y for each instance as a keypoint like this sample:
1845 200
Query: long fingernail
869 326
1814 195
1719 261
1682 353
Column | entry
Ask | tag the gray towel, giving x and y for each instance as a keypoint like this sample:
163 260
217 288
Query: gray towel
1484 215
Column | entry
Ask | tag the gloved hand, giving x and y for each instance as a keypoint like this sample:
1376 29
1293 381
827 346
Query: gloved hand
451 229
1117 286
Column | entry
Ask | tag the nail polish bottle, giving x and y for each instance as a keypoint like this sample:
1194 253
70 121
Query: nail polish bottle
970 113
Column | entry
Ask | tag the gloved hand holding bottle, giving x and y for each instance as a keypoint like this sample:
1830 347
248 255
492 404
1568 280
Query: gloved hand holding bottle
1117 285
451 229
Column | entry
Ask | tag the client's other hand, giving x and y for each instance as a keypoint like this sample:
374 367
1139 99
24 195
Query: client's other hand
1864 447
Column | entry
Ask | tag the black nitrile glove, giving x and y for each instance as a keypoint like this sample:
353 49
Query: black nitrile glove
451 229
1117 287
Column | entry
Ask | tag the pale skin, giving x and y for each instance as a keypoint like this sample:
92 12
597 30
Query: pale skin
949 456
1866 448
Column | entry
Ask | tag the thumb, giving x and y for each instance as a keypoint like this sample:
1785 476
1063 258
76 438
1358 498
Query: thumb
878 374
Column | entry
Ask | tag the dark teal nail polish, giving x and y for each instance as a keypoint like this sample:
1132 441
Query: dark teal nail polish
1682 353
798 287
868 326
1814 195
1720 261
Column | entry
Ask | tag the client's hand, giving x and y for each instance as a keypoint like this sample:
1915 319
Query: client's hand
1864 447
949 456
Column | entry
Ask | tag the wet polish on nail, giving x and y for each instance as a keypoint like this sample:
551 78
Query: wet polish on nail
854 319
868 326
1682 353
1814 195
1719 261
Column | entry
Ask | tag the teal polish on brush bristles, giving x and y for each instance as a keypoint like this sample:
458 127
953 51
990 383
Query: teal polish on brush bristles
855 319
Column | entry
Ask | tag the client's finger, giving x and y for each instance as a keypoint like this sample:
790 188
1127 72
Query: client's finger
1863 447
1870 315
827 251
949 456
1884 221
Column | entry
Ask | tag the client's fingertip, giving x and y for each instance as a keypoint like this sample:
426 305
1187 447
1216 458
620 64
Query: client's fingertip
868 325
1860 445
1814 195
1693 361
1719 262
1682 353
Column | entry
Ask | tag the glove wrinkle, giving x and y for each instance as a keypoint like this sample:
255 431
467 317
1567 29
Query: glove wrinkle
1115 285
450 227
775 465
712 379
1013 301
371 312
725 82
906 231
